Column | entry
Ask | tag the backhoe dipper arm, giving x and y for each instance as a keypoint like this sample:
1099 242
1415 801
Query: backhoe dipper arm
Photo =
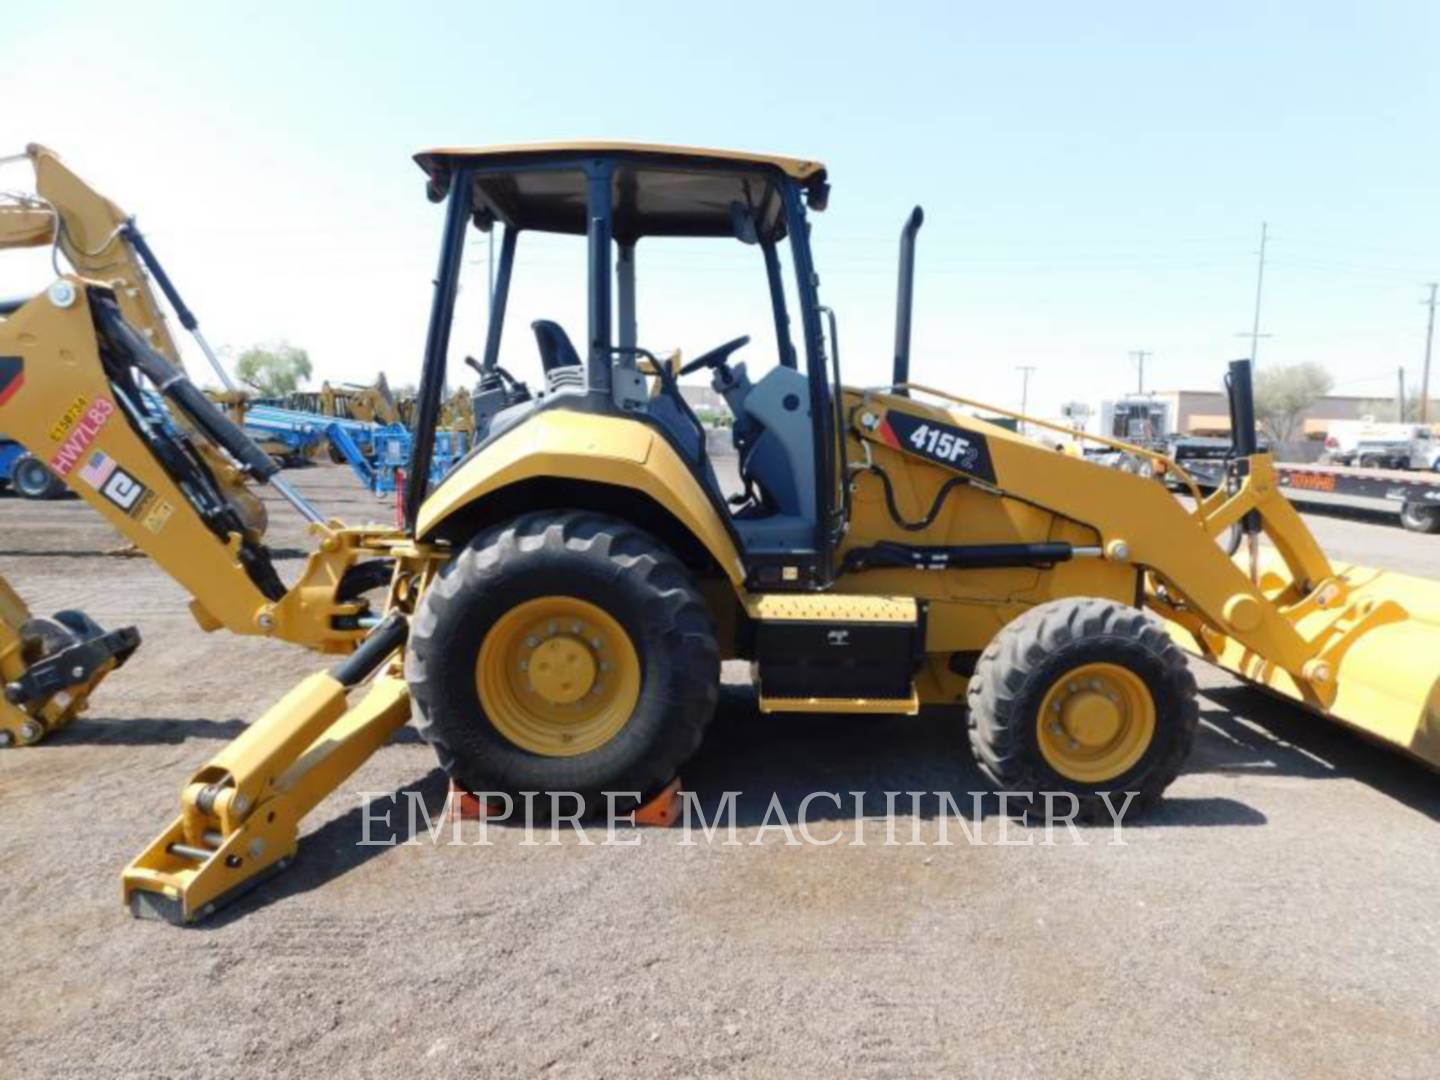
91 232
68 364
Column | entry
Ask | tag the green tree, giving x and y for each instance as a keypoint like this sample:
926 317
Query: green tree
273 369
1282 397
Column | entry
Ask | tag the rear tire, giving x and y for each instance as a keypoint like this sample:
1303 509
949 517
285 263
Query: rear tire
1054 671
1421 519
33 479
481 705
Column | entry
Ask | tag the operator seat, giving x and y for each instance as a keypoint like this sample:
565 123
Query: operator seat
563 369
555 348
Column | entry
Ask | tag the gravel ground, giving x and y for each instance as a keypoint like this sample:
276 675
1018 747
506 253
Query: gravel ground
1271 920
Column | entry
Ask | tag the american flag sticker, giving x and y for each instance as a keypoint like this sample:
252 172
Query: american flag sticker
98 469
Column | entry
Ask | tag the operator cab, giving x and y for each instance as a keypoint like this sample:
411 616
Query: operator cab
616 195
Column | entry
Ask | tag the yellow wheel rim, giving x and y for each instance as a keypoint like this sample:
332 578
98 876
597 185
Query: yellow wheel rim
558 676
1096 722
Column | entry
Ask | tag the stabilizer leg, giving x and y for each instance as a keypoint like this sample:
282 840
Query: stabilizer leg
240 815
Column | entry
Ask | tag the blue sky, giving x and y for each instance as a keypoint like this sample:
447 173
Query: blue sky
1094 176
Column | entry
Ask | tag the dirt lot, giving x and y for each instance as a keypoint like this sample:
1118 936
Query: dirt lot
1276 917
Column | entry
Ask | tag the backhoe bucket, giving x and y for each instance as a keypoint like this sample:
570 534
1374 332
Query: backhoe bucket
49 667
1379 633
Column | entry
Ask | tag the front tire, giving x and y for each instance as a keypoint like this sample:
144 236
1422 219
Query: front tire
563 652
1086 696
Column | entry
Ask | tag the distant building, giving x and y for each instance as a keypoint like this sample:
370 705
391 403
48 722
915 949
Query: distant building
1207 412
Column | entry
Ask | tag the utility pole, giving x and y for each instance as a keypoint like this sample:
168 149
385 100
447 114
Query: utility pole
1400 399
1139 356
1425 371
1255 335
1025 370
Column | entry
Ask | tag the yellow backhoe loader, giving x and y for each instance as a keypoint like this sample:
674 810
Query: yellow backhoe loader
560 603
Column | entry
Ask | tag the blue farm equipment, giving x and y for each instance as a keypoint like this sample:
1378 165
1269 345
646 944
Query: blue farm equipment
27 474
389 453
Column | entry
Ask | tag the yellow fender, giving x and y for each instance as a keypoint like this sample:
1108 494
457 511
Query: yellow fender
593 449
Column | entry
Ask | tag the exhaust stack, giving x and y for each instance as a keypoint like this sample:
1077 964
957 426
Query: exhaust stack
905 298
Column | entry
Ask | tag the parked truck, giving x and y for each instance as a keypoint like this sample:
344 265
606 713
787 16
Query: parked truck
1372 445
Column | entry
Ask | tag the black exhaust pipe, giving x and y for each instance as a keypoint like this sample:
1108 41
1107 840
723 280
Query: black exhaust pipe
905 299
1244 440
1243 437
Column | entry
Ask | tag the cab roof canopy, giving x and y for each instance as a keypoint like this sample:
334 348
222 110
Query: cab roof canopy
656 190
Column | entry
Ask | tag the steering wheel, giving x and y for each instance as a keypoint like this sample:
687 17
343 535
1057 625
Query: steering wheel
715 357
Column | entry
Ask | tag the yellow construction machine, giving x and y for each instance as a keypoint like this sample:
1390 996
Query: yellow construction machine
559 604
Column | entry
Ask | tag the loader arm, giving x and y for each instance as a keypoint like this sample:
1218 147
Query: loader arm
1138 520
1292 622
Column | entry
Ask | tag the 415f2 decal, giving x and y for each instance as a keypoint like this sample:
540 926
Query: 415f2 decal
965 451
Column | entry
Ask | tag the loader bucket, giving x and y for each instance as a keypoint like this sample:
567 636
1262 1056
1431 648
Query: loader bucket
1380 636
